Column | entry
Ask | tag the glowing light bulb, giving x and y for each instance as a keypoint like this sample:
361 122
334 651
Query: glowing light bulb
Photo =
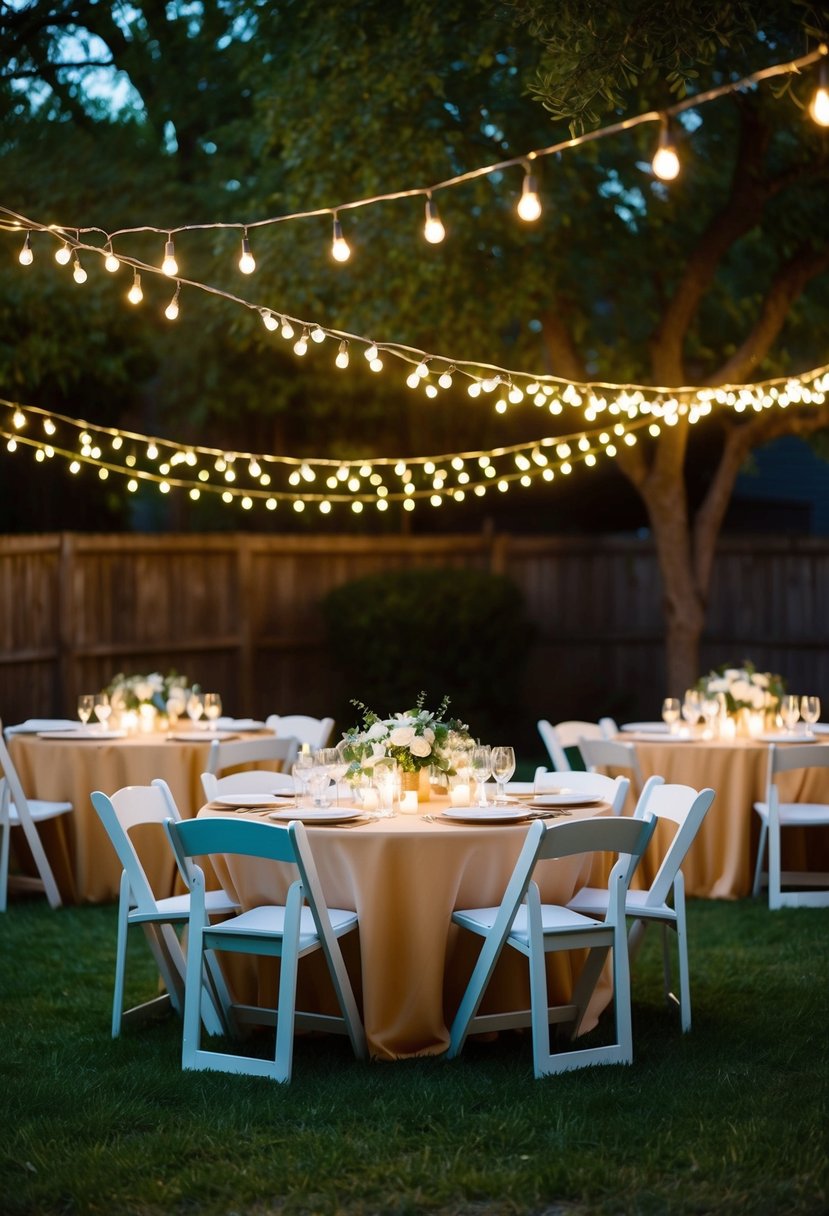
317 334
445 380
301 345
665 163
63 254
111 262
269 321
79 274
247 262
18 419
342 355
287 329
819 105
171 311
340 248
170 266
371 352
135 295
529 204
433 229
26 257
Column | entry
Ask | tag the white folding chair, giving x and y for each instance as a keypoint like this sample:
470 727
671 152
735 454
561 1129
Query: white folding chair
254 781
315 731
289 931
235 753
33 726
775 815
613 753
566 734
534 929
610 789
686 808
18 811
138 904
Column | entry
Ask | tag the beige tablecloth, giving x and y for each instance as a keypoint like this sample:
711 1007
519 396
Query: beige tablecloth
720 864
404 877
85 865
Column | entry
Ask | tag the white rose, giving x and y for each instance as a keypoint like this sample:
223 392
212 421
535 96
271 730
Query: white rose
741 690
402 736
429 734
377 730
758 698
760 679
420 746
718 685
143 690
733 673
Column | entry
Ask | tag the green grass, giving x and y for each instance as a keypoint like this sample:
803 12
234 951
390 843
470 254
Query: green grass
731 1118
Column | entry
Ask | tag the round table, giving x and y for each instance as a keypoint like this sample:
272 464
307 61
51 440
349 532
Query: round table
404 876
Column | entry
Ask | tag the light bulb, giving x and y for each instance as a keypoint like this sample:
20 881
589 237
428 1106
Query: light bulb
371 352
665 163
445 381
247 262
170 266
111 262
529 204
269 321
135 295
340 248
301 345
287 329
342 355
78 274
433 229
26 257
171 311
63 254
317 334
819 106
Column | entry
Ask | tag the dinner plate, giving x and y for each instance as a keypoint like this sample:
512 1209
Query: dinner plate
782 736
252 799
566 798
84 735
199 736
485 814
648 736
651 728
240 724
318 814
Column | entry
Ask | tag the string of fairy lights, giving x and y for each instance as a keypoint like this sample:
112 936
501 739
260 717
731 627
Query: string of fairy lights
610 416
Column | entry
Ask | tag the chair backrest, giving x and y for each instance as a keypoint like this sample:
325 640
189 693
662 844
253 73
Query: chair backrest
793 756
608 727
612 753
8 771
612 789
684 806
563 735
235 753
127 808
316 731
254 781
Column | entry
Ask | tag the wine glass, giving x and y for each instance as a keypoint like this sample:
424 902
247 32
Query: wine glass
300 770
789 710
691 706
212 708
195 704
503 767
670 713
318 779
710 708
481 765
102 708
337 767
810 710
86 703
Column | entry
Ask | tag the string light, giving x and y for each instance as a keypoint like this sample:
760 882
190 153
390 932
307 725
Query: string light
135 295
169 266
79 274
819 107
171 311
63 254
529 204
26 257
340 248
247 262
433 228
111 262
342 355
665 163
269 320
301 345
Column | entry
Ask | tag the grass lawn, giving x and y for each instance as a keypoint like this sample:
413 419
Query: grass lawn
730 1118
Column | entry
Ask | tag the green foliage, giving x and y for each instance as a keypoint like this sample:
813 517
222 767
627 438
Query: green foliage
461 633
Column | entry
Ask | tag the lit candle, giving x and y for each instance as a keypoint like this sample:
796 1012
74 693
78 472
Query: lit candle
459 794
408 802
371 799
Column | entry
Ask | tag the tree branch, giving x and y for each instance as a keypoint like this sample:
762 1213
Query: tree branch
564 359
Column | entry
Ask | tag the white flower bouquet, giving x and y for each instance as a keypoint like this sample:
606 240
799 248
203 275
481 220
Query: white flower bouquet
744 688
414 740
131 692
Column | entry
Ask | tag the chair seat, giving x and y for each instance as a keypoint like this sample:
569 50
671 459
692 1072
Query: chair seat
592 901
268 921
40 809
797 814
177 907
554 919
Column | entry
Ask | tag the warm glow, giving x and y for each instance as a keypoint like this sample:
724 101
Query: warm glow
529 204
170 266
433 229
665 163
819 108
340 248
26 257
135 295
247 262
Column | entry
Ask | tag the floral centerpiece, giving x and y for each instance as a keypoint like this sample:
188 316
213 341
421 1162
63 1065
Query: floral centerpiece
131 692
415 740
744 689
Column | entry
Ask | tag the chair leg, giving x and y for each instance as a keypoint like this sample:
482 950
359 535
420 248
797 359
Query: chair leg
286 1007
761 848
191 1030
666 964
774 863
621 996
684 972
120 957
4 864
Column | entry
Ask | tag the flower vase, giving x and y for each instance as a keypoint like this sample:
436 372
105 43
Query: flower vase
743 723
416 783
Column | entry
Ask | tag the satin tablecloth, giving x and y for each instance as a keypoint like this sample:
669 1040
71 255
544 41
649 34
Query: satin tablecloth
404 877
84 862
721 861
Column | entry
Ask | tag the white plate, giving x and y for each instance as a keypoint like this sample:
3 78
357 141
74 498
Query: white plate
199 736
646 736
517 788
318 814
783 736
240 724
821 728
567 798
652 728
86 735
485 814
252 799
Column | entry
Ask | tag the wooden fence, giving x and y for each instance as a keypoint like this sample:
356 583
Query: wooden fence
241 613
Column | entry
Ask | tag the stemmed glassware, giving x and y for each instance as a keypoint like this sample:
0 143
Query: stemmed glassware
481 765
300 771
102 708
86 703
503 767
670 713
212 708
710 708
692 706
810 710
789 710
195 704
